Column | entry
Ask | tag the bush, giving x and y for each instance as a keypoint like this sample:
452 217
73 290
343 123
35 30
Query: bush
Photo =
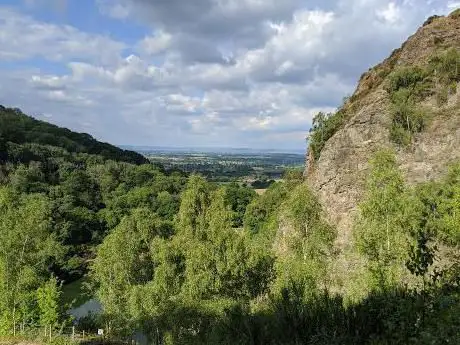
452 89
407 117
324 127
442 96
406 78
400 136
446 66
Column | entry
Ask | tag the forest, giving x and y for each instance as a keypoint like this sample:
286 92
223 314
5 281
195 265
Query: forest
187 261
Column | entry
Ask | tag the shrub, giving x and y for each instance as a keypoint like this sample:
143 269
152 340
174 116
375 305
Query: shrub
407 77
430 20
406 87
407 118
400 136
452 88
446 66
324 127
442 96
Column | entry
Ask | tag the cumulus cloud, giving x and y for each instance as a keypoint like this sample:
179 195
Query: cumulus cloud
204 72
24 38
157 43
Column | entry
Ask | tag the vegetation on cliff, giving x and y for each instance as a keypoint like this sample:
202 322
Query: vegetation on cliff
407 88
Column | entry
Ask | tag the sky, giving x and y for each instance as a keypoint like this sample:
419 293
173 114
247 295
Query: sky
196 73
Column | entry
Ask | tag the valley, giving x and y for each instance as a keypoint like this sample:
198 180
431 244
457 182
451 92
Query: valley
357 244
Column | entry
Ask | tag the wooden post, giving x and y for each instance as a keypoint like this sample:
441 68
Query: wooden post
50 332
14 319
73 332
83 334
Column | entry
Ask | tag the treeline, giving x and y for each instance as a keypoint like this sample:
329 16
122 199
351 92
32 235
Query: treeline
18 128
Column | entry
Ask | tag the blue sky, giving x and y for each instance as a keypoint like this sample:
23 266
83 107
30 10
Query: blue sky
227 73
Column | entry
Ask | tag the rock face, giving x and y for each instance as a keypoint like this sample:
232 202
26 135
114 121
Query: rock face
339 175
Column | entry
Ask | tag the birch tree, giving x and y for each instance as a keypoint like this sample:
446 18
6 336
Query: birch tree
26 249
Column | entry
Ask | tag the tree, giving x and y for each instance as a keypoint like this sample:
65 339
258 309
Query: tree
26 250
124 262
387 218
238 198
263 209
304 241
49 303
167 205
191 219
3 151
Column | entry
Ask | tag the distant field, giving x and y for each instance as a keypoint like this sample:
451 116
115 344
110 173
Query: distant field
225 167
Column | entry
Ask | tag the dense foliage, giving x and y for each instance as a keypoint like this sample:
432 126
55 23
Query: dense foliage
186 261
18 128
57 203
209 282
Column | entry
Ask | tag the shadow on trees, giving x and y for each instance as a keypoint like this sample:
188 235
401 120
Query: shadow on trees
394 316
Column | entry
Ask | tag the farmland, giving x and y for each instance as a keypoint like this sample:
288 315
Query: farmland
232 165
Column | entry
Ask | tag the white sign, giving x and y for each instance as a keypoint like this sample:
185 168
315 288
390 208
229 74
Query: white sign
100 332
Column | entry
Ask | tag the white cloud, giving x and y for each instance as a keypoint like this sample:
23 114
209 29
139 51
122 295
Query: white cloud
390 13
158 43
48 82
453 4
211 72
23 37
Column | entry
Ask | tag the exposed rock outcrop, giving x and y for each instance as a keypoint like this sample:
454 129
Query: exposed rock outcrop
339 175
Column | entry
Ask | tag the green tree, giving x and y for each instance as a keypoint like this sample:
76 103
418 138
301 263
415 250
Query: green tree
167 205
262 211
195 201
304 242
124 262
387 218
3 151
49 303
238 197
26 250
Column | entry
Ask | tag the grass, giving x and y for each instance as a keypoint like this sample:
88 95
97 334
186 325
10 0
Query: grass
75 294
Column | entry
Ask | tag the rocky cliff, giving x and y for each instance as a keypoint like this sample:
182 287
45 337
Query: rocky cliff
338 175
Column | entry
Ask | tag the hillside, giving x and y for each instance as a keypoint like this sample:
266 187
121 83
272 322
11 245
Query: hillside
425 73
18 128
84 187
